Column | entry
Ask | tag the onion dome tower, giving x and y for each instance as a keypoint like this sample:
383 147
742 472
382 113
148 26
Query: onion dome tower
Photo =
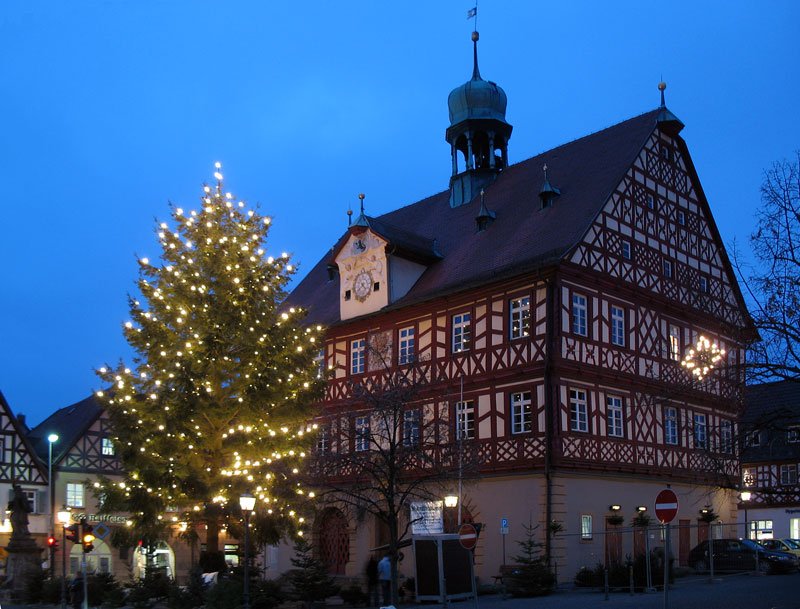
478 131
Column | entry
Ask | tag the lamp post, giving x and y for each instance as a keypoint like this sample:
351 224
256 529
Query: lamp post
745 495
247 502
63 518
51 439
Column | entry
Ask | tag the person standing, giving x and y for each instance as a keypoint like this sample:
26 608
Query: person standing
371 571
385 577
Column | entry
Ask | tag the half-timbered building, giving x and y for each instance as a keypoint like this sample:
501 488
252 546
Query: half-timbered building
82 454
770 438
550 304
20 464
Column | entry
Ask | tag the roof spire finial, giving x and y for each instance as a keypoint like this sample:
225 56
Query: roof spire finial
545 172
661 86
361 197
349 214
476 74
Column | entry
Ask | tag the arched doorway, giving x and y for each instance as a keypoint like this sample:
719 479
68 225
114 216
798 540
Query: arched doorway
163 560
97 561
333 540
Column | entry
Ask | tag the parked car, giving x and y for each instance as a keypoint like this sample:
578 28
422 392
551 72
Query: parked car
740 555
792 546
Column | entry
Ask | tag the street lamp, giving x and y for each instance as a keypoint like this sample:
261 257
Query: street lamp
51 439
63 518
745 495
247 502
450 501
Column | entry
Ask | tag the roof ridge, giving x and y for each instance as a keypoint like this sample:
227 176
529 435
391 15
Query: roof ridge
527 159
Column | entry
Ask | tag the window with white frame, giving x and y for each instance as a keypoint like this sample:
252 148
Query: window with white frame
668 269
617 326
362 435
703 285
586 526
788 474
674 343
358 355
626 250
75 494
411 419
752 438
465 420
700 431
671 425
726 436
462 332
33 499
681 217
651 201
521 419
578 411
614 416
519 317
793 435
107 447
323 440
405 343
579 325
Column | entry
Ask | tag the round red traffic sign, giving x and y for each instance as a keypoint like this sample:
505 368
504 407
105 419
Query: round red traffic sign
666 506
467 535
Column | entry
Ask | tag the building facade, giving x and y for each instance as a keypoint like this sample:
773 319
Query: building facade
770 438
550 305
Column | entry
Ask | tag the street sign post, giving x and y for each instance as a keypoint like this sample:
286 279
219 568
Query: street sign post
504 532
666 510
468 536
666 506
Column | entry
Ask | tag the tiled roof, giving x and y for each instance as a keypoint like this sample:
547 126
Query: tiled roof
70 423
772 408
523 237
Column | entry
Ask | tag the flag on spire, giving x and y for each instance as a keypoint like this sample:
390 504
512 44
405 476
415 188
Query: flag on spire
473 12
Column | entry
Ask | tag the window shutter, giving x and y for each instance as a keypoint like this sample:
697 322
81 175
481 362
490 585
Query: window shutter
41 503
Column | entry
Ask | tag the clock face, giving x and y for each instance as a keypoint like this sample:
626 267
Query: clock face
362 285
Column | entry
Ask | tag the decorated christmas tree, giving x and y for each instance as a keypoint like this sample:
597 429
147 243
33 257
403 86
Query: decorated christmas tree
219 394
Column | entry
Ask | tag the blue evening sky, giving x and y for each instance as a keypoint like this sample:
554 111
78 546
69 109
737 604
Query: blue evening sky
112 108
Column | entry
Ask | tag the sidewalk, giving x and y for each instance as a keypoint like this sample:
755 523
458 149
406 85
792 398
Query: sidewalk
729 592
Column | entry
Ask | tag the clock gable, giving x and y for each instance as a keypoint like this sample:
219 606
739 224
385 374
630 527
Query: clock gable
363 274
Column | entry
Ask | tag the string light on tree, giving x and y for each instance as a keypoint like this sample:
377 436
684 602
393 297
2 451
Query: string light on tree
224 379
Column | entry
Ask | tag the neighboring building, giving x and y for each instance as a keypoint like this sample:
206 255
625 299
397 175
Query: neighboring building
770 440
19 463
563 291
82 454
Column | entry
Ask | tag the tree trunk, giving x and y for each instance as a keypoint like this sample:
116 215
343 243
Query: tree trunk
212 535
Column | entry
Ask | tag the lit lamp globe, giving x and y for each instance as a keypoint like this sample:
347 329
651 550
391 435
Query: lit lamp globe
63 517
247 502
745 495
450 501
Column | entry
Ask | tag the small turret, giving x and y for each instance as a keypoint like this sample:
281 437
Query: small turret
478 132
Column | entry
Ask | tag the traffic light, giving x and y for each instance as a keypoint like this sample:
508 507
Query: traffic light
52 543
88 537
73 533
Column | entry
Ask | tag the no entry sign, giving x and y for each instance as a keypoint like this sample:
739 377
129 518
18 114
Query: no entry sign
467 535
666 506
